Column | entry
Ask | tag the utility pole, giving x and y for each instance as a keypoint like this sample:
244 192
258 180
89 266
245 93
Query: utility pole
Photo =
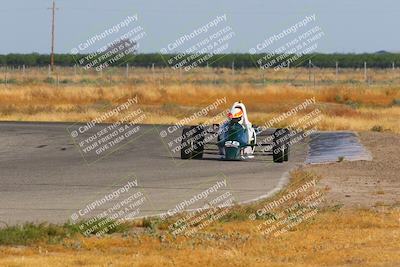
365 71
337 71
53 9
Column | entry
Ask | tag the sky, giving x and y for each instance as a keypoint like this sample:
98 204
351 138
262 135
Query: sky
348 26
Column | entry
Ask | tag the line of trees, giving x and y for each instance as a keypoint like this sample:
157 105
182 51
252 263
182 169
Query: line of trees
373 60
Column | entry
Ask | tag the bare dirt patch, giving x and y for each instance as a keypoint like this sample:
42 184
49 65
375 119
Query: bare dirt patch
365 184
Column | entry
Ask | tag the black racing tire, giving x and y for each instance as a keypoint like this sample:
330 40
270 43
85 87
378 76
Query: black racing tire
287 146
278 155
199 142
279 147
253 142
192 144
286 153
185 144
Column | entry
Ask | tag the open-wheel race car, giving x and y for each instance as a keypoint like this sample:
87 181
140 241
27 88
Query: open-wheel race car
235 139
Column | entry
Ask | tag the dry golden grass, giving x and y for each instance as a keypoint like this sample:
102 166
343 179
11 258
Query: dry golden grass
167 96
331 238
359 238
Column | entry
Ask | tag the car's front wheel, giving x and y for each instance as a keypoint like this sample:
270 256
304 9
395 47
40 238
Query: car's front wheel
192 143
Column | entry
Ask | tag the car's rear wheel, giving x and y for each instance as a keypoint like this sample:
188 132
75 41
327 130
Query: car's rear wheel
287 145
280 152
286 153
199 142
185 144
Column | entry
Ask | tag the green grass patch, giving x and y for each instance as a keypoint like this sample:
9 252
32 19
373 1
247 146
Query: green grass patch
30 233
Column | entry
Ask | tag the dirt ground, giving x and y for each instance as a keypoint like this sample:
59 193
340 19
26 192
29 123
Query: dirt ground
365 184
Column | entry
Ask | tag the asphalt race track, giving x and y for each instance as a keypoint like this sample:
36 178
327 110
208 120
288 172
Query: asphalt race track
44 177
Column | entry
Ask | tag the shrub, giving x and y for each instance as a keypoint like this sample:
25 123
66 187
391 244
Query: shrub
396 102
49 80
377 128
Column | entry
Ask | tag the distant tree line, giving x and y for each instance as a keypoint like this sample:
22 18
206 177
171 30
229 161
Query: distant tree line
373 60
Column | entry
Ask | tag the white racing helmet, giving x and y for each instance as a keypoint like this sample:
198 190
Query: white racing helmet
238 113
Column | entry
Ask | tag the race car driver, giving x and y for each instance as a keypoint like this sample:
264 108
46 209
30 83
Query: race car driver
238 114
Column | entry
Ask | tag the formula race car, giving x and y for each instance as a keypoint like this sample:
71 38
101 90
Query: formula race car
235 139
